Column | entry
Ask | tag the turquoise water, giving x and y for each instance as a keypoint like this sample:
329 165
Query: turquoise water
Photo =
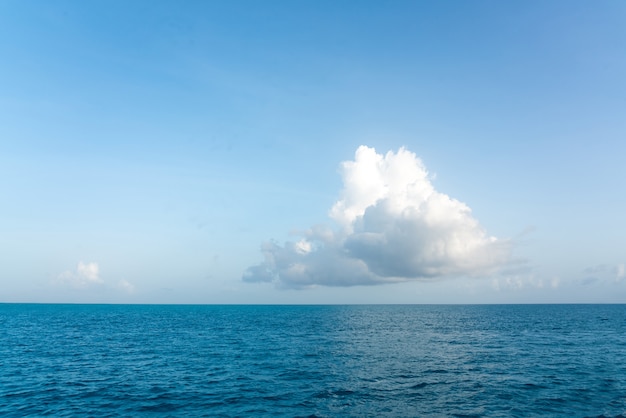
324 361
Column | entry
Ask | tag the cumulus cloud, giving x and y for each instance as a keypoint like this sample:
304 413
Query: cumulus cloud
391 225
84 275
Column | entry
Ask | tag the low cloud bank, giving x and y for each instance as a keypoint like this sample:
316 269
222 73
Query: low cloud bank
391 226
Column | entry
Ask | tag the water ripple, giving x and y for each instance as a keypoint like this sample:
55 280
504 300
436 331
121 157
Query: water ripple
313 361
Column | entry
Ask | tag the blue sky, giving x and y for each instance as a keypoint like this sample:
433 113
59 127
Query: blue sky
150 150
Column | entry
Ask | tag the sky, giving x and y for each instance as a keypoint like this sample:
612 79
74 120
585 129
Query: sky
312 151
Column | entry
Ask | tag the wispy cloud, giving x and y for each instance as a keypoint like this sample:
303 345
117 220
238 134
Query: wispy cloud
604 273
620 272
524 282
84 275
391 226
126 286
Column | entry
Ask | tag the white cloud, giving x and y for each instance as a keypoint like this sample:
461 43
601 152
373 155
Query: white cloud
84 275
520 282
392 226
126 286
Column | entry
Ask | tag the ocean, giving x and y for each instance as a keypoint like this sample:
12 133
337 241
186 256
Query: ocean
313 361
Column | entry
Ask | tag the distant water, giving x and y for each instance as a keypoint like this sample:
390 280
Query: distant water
324 361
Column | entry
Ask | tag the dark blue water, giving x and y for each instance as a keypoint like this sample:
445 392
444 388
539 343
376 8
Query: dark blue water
512 360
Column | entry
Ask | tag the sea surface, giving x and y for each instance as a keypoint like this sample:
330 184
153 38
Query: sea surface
313 361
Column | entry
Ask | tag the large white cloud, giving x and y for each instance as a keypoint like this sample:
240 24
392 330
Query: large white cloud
391 225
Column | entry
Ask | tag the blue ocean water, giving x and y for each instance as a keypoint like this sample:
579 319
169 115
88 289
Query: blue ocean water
324 361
